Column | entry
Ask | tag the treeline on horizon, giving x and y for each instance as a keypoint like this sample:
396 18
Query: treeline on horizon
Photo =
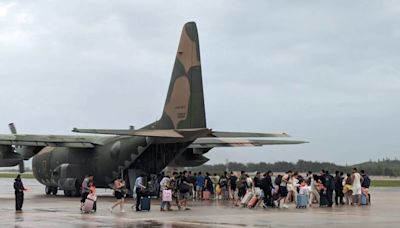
385 167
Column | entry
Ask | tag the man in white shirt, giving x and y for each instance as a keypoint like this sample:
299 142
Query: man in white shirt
139 187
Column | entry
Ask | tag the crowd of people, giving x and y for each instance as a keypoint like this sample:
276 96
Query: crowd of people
321 189
265 189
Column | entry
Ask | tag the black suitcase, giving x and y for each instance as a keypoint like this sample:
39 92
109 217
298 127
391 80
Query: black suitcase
145 203
323 200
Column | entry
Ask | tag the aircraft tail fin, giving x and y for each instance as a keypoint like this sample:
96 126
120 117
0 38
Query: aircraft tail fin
184 105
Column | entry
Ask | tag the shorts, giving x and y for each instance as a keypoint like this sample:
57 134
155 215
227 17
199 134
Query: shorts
84 196
199 188
118 195
283 191
184 195
356 191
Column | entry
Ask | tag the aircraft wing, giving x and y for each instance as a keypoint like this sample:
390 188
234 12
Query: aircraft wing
238 142
50 140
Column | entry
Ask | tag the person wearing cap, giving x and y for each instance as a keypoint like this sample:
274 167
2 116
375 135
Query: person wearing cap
19 193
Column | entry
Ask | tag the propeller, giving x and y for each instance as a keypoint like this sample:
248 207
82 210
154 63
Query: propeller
17 148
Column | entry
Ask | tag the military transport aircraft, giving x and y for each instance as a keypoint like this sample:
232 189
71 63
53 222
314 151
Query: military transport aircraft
179 138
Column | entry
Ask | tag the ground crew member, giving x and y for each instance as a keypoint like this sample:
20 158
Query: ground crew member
19 193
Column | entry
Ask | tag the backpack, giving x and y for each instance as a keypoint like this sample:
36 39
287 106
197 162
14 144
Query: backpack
278 180
366 182
241 182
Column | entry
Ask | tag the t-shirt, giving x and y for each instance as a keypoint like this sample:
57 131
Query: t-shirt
164 183
184 186
357 181
233 180
85 185
200 181
223 182
139 182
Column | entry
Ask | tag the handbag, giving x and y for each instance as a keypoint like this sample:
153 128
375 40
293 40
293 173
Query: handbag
167 195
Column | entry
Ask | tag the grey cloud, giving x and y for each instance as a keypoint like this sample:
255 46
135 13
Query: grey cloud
324 72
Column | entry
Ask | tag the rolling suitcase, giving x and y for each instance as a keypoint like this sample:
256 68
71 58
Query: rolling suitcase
302 201
206 195
88 206
145 203
363 199
253 202
323 200
247 198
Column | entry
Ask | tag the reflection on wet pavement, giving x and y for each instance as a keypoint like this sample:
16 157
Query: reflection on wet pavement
59 211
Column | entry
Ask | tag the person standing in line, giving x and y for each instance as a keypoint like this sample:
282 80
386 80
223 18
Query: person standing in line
199 186
19 193
339 188
232 186
348 188
139 188
223 184
173 185
184 189
242 187
266 186
329 184
118 185
365 184
356 187
314 191
165 185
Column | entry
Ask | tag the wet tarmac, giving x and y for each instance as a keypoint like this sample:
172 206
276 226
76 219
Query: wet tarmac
58 211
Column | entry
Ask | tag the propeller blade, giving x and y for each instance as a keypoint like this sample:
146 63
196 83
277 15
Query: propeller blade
13 130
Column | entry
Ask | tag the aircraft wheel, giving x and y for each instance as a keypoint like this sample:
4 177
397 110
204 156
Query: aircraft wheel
48 190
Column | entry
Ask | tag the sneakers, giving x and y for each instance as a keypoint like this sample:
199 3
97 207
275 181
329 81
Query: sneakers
285 206
111 209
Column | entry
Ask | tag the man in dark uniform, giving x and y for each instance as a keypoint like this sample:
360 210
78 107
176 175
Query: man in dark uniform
19 193
329 183
339 188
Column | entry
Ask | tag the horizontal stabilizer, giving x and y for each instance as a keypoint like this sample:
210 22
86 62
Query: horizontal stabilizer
238 142
230 134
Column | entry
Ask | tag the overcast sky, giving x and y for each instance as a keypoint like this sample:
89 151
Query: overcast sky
327 72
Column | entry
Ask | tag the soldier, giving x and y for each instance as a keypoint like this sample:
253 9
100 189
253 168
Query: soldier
19 193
